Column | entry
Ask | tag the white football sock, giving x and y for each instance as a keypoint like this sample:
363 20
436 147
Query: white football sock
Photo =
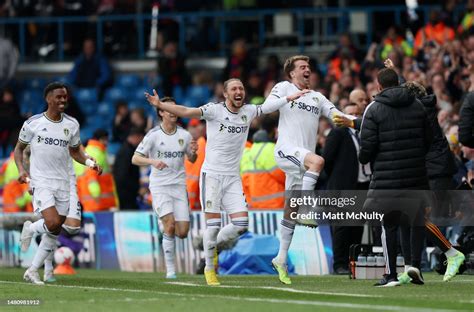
47 246
451 252
48 262
309 180
286 235
169 251
233 230
210 241
39 227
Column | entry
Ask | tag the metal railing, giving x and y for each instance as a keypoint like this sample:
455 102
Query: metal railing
328 24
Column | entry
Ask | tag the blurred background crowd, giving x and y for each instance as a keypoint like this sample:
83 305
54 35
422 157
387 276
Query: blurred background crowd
436 51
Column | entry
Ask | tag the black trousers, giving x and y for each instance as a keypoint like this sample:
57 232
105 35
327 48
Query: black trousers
391 223
344 236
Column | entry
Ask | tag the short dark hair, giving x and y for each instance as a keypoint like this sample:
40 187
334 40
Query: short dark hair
164 99
100 133
53 86
387 78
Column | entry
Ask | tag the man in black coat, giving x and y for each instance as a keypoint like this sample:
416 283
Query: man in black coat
395 138
126 175
345 173
466 121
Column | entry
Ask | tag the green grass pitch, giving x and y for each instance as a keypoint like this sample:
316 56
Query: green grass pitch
92 290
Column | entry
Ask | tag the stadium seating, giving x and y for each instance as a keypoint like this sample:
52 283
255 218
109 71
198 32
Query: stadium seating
115 93
128 81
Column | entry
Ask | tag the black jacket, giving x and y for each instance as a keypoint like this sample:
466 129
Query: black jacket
395 138
340 160
440 159
466 121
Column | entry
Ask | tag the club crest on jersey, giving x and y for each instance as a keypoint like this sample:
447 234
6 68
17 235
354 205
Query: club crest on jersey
181 142
244 118
316 99
208 204
66 131
297 154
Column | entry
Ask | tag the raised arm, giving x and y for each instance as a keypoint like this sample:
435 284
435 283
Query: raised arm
178 110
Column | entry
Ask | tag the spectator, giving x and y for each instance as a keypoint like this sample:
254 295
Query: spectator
139 119
172 69
435 31
359 98
466 123
10 121
240 62
263 182
8 61
344 172
96 192
122 123
197 129
395 41
91 70
126 175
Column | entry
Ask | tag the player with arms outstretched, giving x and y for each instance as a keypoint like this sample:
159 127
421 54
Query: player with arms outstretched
296 144
53 138
164 148
220 184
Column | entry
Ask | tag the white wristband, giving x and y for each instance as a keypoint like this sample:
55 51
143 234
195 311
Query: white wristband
90 163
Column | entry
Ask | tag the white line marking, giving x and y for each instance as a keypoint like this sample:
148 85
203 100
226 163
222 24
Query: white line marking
250 299
292 290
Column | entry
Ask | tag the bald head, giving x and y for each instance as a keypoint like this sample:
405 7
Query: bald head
359 97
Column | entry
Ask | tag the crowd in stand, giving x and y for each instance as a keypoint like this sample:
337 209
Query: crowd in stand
438 55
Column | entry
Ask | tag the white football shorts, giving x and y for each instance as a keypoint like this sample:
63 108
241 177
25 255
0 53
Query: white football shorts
171 199
290 159
44 198
74 204
222 192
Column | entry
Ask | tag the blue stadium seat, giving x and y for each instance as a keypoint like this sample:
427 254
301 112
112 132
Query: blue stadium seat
106 108
86 133
178 94
86 95
198 95
113 94
31 102
113 148
88 108
127 81
34 83
138 94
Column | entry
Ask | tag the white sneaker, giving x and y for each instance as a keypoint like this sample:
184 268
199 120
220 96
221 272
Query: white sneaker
26 236
171 275
32 276
48 276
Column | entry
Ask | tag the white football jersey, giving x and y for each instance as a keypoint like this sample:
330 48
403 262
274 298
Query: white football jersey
169 148
299 121
50 141
226 136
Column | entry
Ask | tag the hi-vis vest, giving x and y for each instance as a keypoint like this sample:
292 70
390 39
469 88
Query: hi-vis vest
262 180
96 192
192 175
16 197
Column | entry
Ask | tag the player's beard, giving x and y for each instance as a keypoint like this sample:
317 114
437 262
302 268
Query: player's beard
236 104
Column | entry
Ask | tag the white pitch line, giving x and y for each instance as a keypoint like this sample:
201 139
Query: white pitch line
292 290
250 299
